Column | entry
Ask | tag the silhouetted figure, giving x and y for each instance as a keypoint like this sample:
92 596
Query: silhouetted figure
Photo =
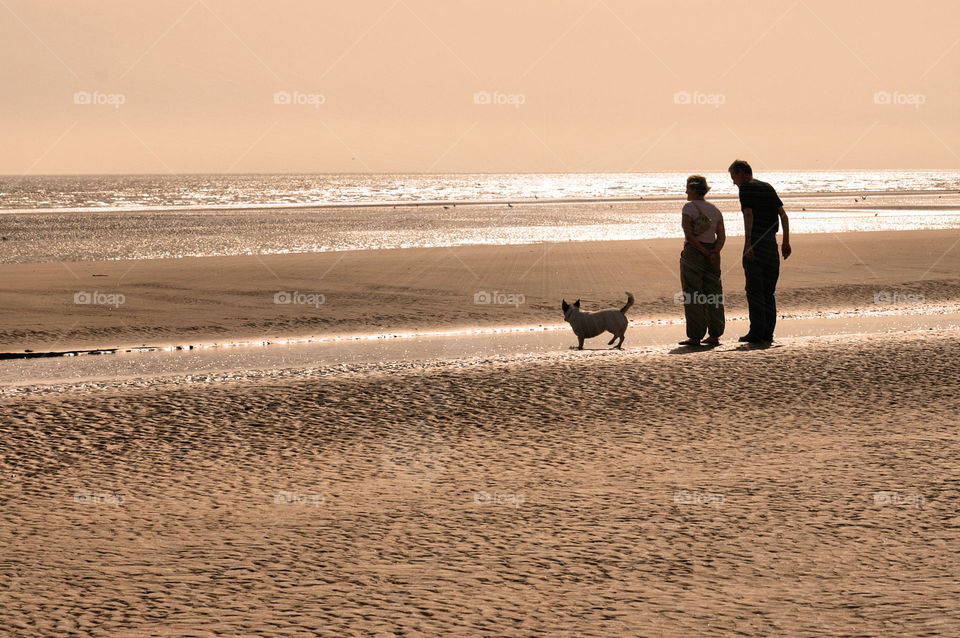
762 214
700 266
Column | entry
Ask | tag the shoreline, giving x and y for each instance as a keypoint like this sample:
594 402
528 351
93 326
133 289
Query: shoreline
148 368
456 202
455 333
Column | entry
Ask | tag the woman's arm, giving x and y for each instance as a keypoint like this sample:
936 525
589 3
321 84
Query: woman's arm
721 236
688 235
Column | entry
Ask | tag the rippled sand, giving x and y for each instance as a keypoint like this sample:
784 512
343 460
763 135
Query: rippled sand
808 489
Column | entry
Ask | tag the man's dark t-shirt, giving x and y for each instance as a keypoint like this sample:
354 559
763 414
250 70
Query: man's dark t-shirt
763 200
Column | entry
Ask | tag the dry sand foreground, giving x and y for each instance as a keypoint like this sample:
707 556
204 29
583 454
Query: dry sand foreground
809 489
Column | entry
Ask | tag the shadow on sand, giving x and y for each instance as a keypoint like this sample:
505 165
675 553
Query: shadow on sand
740 347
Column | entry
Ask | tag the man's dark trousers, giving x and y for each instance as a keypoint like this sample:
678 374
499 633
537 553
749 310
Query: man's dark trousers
761 274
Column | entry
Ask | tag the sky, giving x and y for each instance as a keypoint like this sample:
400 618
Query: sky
381 86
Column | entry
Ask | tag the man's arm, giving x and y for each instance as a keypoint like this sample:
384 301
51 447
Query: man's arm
785 222
747 227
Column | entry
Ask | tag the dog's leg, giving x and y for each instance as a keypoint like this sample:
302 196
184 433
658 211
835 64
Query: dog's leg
620 345
580 346
610 343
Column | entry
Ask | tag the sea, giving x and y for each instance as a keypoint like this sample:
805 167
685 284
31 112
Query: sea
106 217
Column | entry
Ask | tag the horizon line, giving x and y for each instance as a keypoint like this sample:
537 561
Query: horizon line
379 173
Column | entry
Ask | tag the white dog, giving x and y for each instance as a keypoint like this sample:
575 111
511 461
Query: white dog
589 324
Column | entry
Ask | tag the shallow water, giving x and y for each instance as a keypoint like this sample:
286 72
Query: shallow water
218 191
105 235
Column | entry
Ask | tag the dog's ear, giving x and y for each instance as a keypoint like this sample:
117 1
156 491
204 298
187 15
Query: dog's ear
564 305
577 303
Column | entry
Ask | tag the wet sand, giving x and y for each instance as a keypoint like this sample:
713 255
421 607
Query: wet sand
224 299
807 489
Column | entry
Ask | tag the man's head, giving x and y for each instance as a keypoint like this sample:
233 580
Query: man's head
740 172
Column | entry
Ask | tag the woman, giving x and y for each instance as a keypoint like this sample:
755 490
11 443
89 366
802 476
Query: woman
700 266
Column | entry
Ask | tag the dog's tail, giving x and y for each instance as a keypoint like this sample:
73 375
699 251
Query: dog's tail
629 303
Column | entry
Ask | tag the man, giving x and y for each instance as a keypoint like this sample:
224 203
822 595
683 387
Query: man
762 214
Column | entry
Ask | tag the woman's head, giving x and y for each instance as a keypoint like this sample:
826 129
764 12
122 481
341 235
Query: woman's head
697 186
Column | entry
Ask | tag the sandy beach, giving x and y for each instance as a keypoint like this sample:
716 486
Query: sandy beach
435 486
294 336
800 490
440 489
